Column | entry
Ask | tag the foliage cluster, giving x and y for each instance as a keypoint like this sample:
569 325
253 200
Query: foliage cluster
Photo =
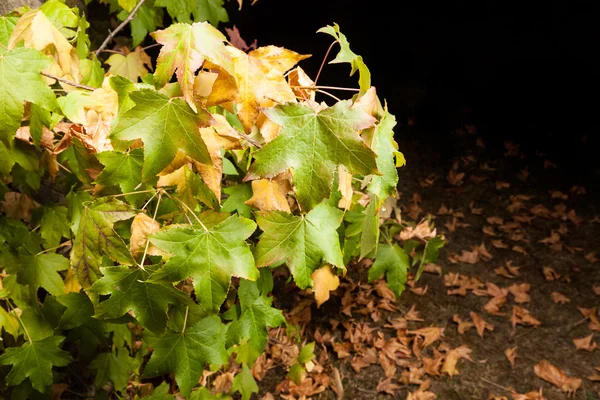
148 204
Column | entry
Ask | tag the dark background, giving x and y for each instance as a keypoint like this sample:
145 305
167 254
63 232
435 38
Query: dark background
525 70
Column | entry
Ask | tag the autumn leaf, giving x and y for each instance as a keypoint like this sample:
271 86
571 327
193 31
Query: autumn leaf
429 334
585 343
132 65
270 194
313 145
324 281
141 227
452 358
480 324
185 48
511 355
549 372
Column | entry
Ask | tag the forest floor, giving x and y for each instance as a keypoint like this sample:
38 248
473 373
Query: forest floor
517 285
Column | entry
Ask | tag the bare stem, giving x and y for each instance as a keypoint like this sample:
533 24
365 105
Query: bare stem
121 26
248 139
67 243
148 240
323 62
188 209
68 82
326 87
150 46
328 94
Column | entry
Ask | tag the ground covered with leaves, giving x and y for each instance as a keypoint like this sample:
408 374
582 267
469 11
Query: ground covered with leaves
509 310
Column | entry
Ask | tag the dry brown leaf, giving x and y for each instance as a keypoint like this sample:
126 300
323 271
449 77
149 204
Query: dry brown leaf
480 324
528 396
591 257
463 326
452 357
422 393
493 306
550 274
586 343
429 334
324 282
550 373
511 355
521 316
560 298
413 315
18 205
141 227
387 386
520 292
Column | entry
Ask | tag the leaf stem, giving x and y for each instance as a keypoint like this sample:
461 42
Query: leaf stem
67 243
323 62
68 82
135 192
153 219
150 46
189 209
20 321
121 26
187 309
325 87
328 94
248 139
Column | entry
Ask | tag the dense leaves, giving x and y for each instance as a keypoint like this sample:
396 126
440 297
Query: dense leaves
149 205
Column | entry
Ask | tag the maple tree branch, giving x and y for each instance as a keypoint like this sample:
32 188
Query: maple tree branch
121 26
323 63
68 82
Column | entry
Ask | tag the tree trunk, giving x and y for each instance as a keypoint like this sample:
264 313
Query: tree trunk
7 6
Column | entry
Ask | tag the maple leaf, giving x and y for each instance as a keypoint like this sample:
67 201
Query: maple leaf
96 237
185 48
511 355
34 360
186 353
190 188
36 31
130 290
324 281
313 144
301 241
260 81
116 368
452 357
132 65
244 383
549 372
480 324
270 194
18 66
41 270
430 334
166 126
142 226
210 256
256 316
585 343
347 55
394 262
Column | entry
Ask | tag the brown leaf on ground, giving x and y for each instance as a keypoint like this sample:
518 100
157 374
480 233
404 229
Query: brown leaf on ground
586 343
596 376
463 326
493 306
521 316
590 313
342 349
528 396
511 355
18 206
480 324
387 386
520 292
550 373
550 274
452 357
591 257
422 393
436 269
502 185
596 290
429 334
560 298
413 315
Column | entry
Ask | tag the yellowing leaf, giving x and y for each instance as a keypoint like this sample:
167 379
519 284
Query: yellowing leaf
260 79
451 359
132 65
345 187
141 227
185 48
548 372
270 195
300 82
35 30
324 281
71 283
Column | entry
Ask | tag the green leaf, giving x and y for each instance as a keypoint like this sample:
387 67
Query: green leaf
347 55
129 291
179 10
369 237
313 144
166 126
34 360
41 270
20 81
297 373
38 327
301 241
203 393
9 322
83 40
211 257
211 11
244 383
54 225
161 392
80 160
236 200
38 118
392 261
307 353
75 202
386 148
96 237
186 353
92 73
132 66
146 20
7 26
430 253
65 19
79 310
257 315
116 368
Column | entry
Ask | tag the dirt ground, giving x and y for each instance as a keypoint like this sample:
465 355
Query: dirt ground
539 205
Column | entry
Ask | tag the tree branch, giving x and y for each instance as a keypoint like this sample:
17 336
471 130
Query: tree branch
121 26
68 82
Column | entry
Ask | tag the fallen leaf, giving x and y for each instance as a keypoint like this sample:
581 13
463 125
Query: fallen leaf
463 326
413 315
452 357
528 396
585 343
429 334
324 281
422 393
480 324
511 355
521 316
560 298
387 386
548 372
520 292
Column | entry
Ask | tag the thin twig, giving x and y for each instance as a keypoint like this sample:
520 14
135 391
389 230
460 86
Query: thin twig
325 87
328 94
20 321
67 243
496 385
323 62
147 239
121 26
188 209
150 46
68 82
248 139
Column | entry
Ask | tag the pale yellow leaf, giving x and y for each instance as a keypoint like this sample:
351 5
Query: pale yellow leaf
141 227
345 187
133 65
324 282
270 195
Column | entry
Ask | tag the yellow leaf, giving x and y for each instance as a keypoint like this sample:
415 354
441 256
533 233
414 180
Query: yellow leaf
260 79
299 81
38 32
324 281
71 283
132 65
141 227
270 195
345 186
